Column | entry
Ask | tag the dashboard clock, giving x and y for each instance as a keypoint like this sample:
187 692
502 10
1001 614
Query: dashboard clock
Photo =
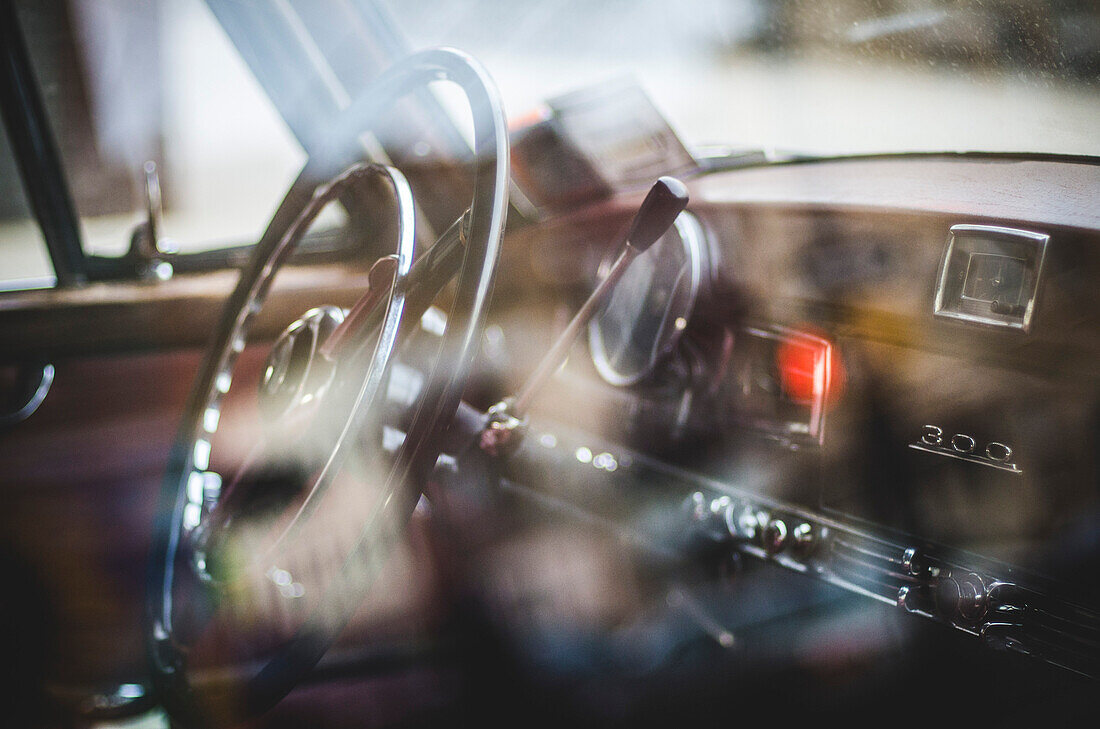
990 275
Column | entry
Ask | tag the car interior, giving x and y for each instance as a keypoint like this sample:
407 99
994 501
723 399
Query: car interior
369 363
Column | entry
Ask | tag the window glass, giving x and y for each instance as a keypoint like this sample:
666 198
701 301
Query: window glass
24 262
127 82
844 76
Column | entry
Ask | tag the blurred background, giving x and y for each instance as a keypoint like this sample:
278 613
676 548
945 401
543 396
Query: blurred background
125 81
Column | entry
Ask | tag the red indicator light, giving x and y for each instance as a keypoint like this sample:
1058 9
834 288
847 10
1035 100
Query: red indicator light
801 371
809 370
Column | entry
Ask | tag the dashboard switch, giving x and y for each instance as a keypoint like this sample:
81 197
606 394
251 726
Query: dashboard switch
911 562
962 599
742 524
972 600
775 536
803 539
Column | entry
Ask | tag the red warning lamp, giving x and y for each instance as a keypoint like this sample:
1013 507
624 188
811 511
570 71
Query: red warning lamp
810 372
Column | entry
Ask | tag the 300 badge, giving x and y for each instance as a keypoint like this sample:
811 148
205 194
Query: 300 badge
964 447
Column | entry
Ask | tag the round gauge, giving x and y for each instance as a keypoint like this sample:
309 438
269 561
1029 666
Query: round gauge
650 306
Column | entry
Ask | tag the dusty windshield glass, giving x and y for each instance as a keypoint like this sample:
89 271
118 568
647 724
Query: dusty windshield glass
831 77
124 83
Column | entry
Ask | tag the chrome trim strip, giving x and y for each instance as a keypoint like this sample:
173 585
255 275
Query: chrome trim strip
1010 467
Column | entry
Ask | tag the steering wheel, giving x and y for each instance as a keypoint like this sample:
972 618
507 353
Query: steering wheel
324 384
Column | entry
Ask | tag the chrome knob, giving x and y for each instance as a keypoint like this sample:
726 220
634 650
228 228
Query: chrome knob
961 599
972 597
775 536
742 524
804 541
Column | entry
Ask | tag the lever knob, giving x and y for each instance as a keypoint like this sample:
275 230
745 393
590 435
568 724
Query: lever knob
666 199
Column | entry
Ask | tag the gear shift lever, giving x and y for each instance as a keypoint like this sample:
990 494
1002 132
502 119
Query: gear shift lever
666 199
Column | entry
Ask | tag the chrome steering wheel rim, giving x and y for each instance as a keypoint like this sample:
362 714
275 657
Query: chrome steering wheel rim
483 229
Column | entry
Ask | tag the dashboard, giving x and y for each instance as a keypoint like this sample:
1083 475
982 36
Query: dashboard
885 377
786 474
830 443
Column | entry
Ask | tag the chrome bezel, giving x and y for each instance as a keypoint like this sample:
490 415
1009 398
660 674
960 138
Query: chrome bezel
692 237
941 307
812 429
